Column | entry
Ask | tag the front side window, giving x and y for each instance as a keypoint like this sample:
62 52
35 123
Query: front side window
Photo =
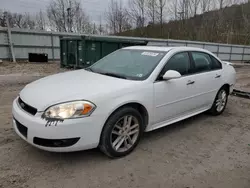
179 62
129 64
202 61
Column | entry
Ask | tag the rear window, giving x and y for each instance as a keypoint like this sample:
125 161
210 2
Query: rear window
215 63
202 61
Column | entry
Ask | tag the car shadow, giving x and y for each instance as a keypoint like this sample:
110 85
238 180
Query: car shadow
98 157
67 157
175 127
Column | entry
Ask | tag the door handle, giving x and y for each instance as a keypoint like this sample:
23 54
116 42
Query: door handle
218 76
190 82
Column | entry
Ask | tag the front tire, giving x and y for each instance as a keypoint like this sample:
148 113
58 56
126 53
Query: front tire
121 132
220 102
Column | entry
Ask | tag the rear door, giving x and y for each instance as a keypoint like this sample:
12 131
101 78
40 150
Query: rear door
207 78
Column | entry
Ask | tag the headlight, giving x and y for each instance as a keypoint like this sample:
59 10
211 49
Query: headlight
68 110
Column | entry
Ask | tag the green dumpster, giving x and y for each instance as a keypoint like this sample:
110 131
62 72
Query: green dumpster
81 52
69 51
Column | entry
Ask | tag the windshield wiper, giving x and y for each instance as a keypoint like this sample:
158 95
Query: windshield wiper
89 69
114 75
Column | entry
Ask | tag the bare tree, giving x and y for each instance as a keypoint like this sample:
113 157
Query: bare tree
186 9
78 20
151 10
173 9
117 17
21 20
221 3
41 21
101 29
246 22
205 5
18 20
194 5
2 19
94 29
111 16
138 12
67 16
182 8
122 18
160 11
29 22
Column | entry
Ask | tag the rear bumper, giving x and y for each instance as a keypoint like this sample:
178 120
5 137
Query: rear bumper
73 134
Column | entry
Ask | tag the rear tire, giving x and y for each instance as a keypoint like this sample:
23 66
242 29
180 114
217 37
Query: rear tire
121 132
220 102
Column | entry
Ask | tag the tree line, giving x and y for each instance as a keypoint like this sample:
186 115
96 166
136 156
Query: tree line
223 21
60 15
141 13
147 18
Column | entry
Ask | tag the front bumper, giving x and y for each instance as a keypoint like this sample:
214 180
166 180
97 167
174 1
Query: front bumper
77 134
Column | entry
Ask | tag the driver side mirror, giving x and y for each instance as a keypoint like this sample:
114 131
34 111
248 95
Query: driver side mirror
171 74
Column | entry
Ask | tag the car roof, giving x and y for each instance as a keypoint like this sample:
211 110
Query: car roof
151 48
163 48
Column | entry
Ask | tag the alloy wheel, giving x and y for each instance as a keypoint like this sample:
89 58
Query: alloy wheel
125 133
221 100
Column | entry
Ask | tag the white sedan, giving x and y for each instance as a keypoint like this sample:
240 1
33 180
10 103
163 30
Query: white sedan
110 104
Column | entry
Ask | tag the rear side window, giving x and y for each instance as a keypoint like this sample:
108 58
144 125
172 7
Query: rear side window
179 62
202 61
215 63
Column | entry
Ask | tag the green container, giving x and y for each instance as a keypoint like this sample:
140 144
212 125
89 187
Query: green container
69 51
81 52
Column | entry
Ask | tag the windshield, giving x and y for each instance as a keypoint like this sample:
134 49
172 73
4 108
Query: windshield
128 64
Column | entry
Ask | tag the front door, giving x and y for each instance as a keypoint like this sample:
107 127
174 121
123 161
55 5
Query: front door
174 98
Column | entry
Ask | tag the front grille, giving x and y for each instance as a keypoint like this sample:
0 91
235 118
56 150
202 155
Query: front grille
26 107
22 129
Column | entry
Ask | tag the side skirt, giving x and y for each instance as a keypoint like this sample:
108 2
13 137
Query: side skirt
176 119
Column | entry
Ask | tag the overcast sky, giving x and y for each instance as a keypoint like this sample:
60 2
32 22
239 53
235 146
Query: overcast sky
94 8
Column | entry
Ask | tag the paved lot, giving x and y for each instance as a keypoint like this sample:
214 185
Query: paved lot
201 152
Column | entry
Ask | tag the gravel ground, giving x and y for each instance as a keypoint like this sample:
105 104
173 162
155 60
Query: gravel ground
243 78
30 68
201 152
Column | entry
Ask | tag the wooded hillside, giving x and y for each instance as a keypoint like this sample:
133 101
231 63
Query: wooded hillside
228 25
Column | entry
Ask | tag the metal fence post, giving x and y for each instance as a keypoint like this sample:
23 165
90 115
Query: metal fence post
242 59
52 47
218 50
230 55
10 38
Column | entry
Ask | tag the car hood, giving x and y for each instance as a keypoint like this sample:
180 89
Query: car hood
73 85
